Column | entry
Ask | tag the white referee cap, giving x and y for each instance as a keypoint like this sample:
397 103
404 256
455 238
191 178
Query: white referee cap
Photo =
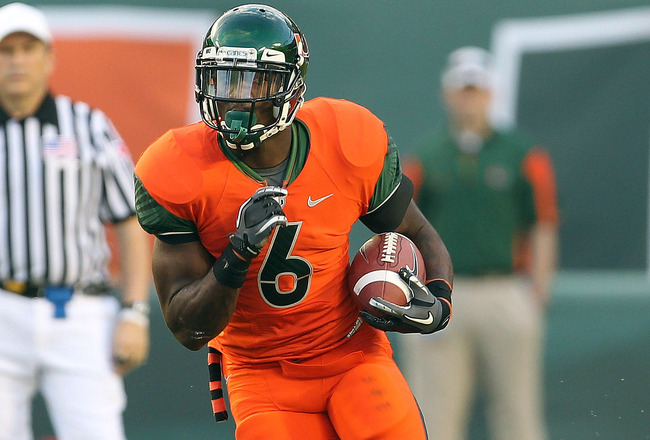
468 66
19 17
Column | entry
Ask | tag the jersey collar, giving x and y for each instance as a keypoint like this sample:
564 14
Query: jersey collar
297 155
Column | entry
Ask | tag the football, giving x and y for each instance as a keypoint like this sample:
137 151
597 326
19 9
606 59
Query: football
374 270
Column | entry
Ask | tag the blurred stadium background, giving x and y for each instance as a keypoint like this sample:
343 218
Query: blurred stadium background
573 74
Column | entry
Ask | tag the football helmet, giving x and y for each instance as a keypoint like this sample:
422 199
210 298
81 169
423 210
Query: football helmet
253 56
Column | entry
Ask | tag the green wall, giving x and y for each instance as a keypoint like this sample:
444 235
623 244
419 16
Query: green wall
386 54
599 139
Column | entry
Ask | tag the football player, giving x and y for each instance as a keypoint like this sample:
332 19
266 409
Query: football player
252 210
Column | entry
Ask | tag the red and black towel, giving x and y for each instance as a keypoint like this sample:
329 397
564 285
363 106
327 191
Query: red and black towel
216 389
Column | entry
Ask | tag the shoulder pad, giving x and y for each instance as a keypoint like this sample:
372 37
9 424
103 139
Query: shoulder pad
361 135
168 171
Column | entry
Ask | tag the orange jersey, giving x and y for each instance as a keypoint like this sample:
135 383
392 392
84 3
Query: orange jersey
295 302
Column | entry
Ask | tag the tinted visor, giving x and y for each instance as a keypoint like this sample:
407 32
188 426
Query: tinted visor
246 84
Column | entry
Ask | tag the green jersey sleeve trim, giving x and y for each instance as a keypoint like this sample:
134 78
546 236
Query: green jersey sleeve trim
393 193
389 179
157 220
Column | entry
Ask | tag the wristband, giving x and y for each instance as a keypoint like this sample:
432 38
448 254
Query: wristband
229 269
441 289
138 306
137 312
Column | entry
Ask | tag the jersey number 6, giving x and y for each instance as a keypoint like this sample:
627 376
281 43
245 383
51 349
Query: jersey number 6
284 279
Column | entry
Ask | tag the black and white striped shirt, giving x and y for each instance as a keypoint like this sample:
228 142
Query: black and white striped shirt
64 172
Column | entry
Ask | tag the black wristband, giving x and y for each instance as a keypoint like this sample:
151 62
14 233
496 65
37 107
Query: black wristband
441 290
229 269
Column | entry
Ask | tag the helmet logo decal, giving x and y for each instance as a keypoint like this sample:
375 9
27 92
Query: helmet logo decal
302 48
209 53
236 53
273 56
303 52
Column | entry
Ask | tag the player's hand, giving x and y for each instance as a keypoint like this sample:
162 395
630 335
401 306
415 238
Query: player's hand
424 313
256 219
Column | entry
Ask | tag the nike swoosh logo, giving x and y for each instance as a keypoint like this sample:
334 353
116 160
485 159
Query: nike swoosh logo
311 203
272 55
427 321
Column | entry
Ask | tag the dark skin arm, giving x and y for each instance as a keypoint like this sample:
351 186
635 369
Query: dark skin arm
196 307
436 257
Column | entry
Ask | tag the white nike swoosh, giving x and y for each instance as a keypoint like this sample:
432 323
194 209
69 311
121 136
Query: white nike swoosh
427 321
311 203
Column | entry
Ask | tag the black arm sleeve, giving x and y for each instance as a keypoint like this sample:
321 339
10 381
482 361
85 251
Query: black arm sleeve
178 238
389 215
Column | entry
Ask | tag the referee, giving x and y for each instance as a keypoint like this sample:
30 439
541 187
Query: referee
64 173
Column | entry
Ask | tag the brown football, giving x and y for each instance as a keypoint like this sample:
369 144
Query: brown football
374 270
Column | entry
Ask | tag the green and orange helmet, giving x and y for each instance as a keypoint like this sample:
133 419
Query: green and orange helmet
251 54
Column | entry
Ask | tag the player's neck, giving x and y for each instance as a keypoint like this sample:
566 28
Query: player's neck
271 152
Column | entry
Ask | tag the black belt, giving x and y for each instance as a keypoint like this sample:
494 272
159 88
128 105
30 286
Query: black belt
31 290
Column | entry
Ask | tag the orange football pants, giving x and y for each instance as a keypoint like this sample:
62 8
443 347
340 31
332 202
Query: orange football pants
354 392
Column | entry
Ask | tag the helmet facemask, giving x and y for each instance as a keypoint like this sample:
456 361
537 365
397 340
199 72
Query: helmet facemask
247 100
